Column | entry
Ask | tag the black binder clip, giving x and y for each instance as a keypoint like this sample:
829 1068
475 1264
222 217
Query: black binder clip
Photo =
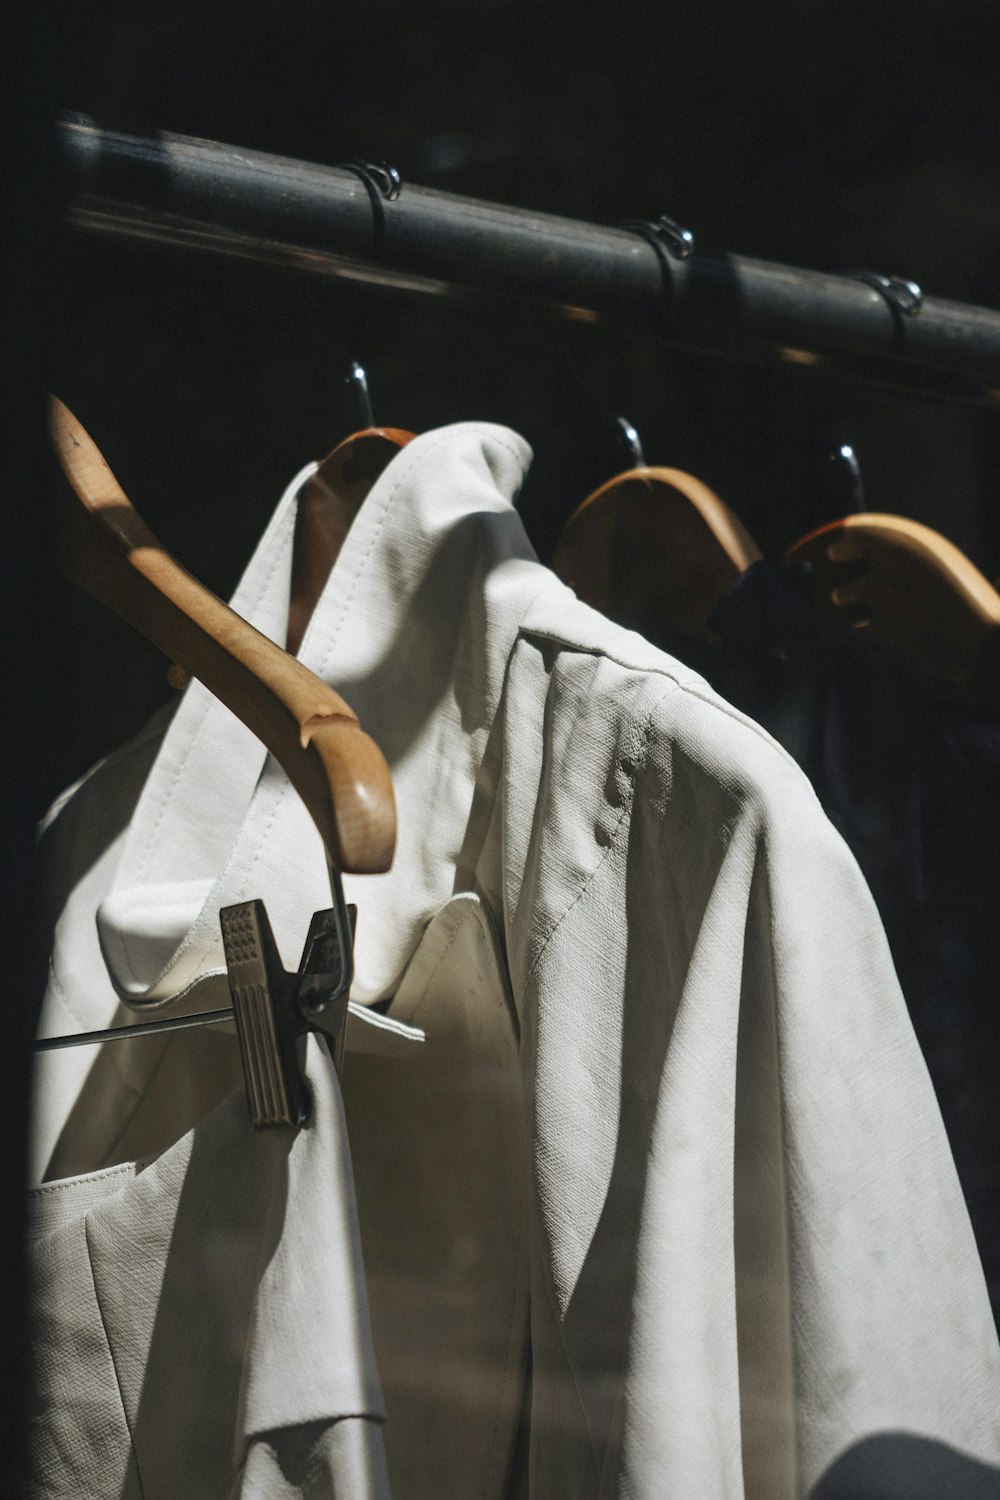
274 1009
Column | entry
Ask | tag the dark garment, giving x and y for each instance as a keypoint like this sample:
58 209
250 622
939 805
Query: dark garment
910 775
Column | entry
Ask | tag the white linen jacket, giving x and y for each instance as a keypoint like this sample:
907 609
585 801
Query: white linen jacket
178 1351
746 1268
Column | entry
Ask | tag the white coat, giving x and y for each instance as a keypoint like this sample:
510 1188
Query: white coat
731 1230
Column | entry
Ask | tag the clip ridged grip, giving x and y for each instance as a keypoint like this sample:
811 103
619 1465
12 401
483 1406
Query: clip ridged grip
260 988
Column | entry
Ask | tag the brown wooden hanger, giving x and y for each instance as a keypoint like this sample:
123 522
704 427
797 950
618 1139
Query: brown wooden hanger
655 548
337 770
909 588
328 503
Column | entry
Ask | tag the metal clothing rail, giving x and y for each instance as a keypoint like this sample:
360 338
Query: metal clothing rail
214 198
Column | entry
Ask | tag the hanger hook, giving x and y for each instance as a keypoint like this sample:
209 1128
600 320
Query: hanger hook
632 441
359 379
383 184
379 175
903 295
664 233
846 462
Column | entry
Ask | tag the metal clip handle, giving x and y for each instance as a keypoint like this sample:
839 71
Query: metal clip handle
261 1004
274 1009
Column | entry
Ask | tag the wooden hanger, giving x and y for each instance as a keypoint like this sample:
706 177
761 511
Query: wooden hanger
328 503
909 588
655 548
337 770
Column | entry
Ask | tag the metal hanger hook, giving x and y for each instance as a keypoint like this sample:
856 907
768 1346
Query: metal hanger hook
846 462
632 441
383 184
902 294
359 380
378 174
664 233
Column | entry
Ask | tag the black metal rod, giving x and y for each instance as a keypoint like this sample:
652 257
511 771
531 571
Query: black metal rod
178 191
141 1028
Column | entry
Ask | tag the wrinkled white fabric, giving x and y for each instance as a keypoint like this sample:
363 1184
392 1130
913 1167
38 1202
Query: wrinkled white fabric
750 1262
182 1346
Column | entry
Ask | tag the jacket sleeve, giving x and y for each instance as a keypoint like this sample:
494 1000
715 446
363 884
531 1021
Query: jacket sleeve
752 1254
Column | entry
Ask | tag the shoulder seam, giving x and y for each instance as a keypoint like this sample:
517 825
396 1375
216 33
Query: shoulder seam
693 685
620 823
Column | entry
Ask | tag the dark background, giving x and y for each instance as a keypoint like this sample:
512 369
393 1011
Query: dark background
830 135
825 133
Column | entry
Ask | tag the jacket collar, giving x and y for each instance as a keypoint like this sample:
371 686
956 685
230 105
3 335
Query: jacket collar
414 627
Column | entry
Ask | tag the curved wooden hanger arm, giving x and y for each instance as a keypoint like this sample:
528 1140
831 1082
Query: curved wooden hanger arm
908 587
337 770
328 503
655 548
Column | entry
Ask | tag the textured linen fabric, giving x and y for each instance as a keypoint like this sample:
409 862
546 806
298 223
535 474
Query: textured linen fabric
749 1257
908 772
200 1319
438 1141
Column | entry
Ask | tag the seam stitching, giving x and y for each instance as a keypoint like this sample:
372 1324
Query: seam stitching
625 810
194 733
111 1355
694 689
416 460
363 564
66 1184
